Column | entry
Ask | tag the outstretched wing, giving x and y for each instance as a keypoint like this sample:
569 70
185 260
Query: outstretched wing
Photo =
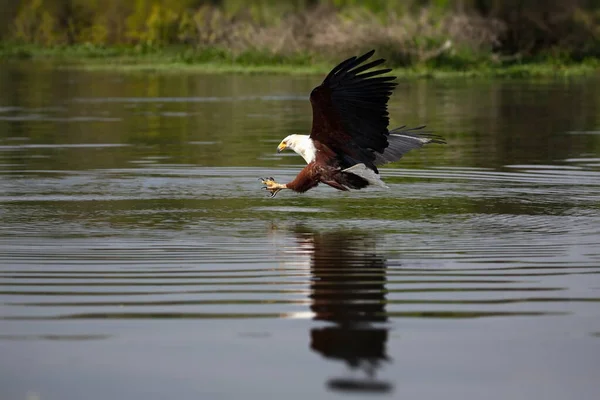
402 140
350 110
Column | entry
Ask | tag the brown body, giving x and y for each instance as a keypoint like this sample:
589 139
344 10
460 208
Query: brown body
325 169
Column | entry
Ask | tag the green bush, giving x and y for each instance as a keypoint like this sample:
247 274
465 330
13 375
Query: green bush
408 32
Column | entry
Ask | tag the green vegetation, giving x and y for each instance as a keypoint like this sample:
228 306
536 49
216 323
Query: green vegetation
212 60
424 37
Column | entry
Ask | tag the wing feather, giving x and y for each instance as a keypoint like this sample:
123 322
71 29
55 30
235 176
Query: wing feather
402 140
348 64
350 109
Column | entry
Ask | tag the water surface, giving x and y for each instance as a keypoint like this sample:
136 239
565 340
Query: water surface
140 259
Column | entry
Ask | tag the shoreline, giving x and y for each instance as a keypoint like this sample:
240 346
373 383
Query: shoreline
217 61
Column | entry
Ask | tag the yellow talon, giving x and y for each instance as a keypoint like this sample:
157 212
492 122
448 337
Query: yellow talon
272 186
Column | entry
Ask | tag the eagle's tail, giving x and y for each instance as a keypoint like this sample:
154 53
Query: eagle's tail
402 140
366 175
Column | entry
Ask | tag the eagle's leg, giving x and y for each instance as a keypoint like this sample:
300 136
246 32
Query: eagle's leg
272 186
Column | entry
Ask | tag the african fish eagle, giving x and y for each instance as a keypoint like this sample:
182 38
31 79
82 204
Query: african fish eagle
349 136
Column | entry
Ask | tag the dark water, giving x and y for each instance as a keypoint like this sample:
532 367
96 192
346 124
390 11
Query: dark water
139 258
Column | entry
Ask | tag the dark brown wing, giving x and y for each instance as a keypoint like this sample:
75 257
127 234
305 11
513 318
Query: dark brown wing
350 110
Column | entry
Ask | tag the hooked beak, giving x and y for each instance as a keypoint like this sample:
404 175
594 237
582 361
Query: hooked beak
281 147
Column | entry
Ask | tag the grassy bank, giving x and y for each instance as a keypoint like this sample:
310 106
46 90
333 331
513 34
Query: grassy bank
216 60
434 38
163 59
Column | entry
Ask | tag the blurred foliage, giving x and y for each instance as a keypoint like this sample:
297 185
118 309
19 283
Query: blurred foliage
457 33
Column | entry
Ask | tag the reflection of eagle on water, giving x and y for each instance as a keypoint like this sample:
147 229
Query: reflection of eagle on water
349 136
348 289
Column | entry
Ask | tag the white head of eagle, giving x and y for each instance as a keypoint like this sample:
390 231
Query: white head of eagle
301 144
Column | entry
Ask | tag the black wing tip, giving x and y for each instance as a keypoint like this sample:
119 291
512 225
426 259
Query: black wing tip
353 62
361 59
368 54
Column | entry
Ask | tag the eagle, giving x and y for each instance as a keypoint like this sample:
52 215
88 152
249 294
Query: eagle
349 138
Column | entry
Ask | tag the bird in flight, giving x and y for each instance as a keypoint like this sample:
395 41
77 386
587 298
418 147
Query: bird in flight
349 138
